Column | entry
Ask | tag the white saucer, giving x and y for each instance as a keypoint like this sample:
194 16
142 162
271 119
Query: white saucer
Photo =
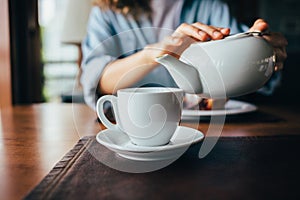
120 143
232 107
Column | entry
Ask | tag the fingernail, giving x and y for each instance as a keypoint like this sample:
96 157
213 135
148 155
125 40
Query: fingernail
217 34
203 35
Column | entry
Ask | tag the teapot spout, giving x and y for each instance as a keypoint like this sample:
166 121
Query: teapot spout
185 76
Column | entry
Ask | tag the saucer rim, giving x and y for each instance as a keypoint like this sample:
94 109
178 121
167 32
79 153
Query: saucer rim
147 149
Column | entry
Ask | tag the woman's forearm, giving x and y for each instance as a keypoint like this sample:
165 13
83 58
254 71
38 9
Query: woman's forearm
125 72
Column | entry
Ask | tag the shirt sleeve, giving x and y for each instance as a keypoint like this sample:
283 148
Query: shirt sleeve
97 53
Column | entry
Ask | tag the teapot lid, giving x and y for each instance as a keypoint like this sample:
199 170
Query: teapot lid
246 34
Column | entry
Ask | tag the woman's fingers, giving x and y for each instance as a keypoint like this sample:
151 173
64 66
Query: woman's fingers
201 32
212 31
279 43
276 39
259 25
281 56
188 30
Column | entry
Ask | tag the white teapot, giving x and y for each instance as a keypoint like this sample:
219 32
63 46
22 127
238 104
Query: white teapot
234 66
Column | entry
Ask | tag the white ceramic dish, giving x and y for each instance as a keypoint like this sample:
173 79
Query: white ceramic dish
120 143
232 107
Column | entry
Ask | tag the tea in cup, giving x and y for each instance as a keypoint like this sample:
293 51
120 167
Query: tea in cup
148 115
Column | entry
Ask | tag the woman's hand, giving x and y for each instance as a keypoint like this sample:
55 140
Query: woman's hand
183 37
277 40
200 32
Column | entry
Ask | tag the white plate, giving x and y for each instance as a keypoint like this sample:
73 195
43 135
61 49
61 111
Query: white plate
232 107
120 143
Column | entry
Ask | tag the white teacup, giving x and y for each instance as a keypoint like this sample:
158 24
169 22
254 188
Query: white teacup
149 116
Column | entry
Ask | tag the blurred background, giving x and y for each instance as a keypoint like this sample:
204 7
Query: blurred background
40 46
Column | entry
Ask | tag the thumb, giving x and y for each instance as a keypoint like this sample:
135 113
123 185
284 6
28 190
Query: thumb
259 25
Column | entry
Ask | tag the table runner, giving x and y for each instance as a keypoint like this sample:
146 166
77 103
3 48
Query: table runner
236 168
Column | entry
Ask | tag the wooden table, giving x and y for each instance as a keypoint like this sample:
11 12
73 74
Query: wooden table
35 137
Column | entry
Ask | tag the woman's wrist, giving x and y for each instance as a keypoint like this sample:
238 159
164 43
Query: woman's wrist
149 54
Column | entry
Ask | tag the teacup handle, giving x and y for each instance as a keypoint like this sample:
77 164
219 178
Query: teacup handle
100 111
